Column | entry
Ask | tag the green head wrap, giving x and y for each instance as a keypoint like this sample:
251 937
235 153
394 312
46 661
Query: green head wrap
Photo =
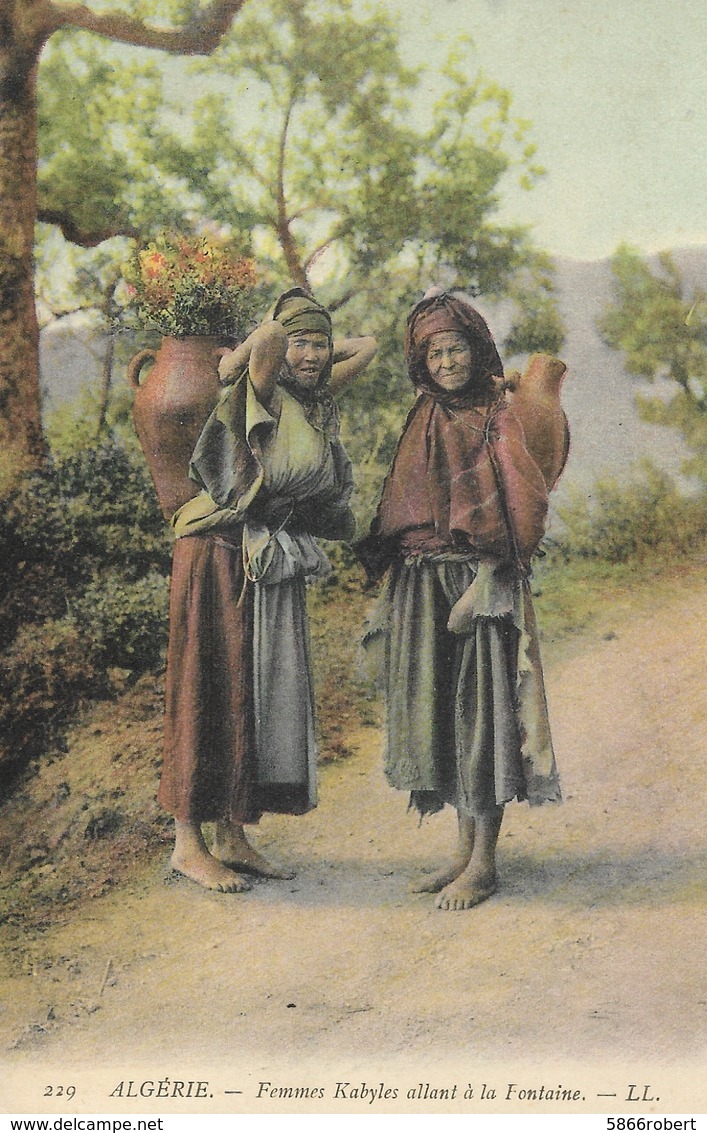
299 313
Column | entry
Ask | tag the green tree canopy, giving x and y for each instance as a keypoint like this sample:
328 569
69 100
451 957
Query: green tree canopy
314 149
661 329
100 186
97 112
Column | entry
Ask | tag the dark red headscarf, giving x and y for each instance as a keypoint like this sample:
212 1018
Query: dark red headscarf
450 311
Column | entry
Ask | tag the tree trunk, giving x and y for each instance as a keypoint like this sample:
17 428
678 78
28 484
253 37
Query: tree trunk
25 26
294 263
21 440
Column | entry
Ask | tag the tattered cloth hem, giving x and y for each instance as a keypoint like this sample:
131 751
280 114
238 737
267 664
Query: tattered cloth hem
538 755
538 792
427 803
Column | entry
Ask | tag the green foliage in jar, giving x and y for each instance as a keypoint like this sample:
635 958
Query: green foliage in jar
193 285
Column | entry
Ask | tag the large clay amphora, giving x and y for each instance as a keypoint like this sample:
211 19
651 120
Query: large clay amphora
170 409
536 402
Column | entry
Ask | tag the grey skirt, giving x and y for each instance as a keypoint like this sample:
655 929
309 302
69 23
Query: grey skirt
466 714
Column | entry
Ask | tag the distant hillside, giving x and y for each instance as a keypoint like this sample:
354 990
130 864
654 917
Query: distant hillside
607 435
598 394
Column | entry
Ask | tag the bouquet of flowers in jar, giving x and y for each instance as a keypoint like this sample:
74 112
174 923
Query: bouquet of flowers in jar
193 285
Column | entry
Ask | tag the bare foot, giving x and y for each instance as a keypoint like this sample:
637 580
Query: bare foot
467 890
432 883
192 859
212 874
232 849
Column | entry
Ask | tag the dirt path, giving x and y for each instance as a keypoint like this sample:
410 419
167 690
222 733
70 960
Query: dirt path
591 955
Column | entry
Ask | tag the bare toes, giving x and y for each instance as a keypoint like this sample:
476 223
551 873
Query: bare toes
238 884
456 897
211 874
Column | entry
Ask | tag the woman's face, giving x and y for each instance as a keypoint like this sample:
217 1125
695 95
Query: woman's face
307 355
450 359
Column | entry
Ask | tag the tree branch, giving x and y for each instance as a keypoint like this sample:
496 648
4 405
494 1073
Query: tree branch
239 154
338 231
200 36
284 232
307 210
337 304
317 252
83 237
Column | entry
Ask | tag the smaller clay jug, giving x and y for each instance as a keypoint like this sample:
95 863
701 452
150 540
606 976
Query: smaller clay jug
170 409
536 402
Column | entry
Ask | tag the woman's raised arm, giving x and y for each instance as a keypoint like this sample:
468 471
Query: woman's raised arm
350 358
263 352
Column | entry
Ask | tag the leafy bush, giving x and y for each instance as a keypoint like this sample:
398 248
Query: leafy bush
84 559
64 523
125 622
105 506
635 518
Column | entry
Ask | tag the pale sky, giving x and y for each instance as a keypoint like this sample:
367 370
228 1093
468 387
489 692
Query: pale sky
617 93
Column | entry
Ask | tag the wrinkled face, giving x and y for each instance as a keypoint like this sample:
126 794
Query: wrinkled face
307 355
450 359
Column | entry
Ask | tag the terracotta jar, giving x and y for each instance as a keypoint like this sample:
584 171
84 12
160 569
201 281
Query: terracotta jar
536 402
170 409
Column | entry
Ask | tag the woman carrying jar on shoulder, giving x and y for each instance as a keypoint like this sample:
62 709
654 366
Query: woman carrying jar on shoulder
462 510
274 476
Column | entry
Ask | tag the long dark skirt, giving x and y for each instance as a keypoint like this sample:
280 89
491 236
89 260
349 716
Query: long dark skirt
454 734
208 771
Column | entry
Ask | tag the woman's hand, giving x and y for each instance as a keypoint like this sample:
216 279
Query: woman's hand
490 595
462 614
350 356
